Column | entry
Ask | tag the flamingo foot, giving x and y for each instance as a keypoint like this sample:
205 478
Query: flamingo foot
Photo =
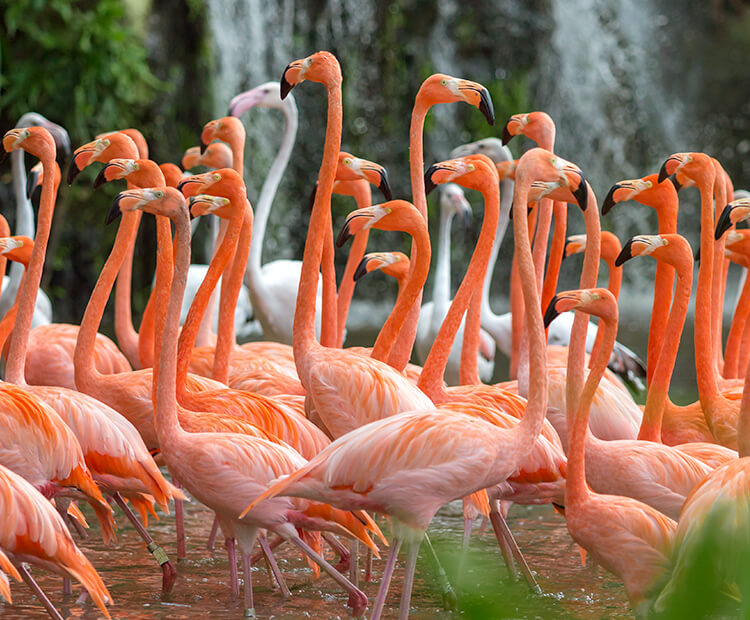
168 577
358 604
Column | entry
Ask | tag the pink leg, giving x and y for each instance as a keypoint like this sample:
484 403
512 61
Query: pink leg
26 576
411 565
357 598
266 550
212 535
233 577
342 551
385 580
168 571
272 545
354 562
500 523
249 604
464 547
482 527
62 509
179 516
497 520
368 566
80 530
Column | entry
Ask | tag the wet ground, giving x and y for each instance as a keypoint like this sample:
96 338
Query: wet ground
202 589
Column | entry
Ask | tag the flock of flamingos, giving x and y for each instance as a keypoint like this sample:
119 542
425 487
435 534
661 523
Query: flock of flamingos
295 439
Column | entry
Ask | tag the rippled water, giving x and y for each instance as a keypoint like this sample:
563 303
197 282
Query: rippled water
202 588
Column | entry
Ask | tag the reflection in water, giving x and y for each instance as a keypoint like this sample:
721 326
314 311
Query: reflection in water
202 588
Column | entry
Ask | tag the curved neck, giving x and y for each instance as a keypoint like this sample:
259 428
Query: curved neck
576 488
230 293
267 194
658 390
613 284
154 314
14 371
86 374
363 195
411 293
577 345
506 200
24 224
431 378
168 427
216 267
320 221
718 273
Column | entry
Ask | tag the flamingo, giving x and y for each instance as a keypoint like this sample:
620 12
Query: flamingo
226 470
112 446
452 203
612 528
737 249
410 464
33 532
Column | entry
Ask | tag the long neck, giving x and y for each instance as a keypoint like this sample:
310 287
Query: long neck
410 295
230 293
658 390
155 313
320 219
24 223
202 297
267 194
705 369
86 374
167 423
506 200
328 322
556 250
718 273
127 337
363 195
577 345
613 284
19 339
441 290
666 212
403 346
734 340
576 489
431 378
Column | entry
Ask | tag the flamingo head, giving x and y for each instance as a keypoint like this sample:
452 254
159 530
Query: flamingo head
597 301
215 155
101 149
226 129
453 202
59 133
538 164
222 182
36 141
136 136
202 204
537 126
472 172
17 249
574 244
492 147
394 264
390 215
322 67
352 168
735 212
441 88
266 95
641 245
686 165
155 200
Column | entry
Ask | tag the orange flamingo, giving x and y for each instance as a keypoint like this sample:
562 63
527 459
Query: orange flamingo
226 470
613 529
33 532
410 464
737 249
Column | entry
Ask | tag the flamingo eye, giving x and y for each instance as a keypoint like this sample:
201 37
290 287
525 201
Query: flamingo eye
159 194
443 82
347 161
216 176
471 167
649 184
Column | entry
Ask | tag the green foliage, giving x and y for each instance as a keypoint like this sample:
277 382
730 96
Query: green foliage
74 60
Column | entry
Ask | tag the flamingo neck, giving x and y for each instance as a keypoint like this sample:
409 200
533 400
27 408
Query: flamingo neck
441 289
86 375
589 273
168 427
14 370
718 273
556 251
613 284
658 391
24 223
9 320
363 196
320 221
328 322
230 293
732 355
576 489
431 378
506 200
419 271
127 337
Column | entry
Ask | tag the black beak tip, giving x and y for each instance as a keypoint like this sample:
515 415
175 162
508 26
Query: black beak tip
204 146
663 174
385 186
31 182
565 249
428 183
114 212
486 107
609 201
506 134
284 86
313 194
582 194
697 256
361 270
100 178
626 253
73 172
343 236
675 182
724 223
551 313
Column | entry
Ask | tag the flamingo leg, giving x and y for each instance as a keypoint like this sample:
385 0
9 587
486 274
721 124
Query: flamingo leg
341 550
385 580
62 509
168 571
272 545
513 545
249 604
497 520
354 563
368 566
82 533
446 589
26 576
179 517
272 564
357 598
212 535
232 558
482 527
464 547
411 565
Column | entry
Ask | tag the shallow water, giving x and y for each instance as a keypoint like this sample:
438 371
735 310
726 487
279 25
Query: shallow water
202 588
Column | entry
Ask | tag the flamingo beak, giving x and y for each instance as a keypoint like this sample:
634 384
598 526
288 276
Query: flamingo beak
551 313
73 171
362 270
697 256
101 179
31 182
486 107
626 253
675 182
610 201
581 194
665 171
384 186
114 210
